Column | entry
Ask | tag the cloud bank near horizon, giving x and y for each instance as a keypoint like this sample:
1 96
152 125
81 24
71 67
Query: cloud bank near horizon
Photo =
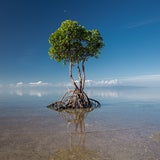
40 88
136 81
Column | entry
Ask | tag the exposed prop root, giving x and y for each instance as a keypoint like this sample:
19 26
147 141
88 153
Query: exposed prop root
74 99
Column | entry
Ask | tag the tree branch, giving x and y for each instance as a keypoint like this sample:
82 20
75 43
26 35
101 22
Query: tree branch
71 77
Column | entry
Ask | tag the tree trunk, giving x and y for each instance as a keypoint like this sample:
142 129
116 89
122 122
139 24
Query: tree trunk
71 77
79 76
84 76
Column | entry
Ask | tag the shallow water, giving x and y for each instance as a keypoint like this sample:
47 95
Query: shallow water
126 127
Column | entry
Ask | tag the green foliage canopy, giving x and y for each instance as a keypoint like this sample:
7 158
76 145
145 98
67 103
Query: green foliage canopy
71 42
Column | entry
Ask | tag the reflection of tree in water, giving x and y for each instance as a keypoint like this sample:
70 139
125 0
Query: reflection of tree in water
77 136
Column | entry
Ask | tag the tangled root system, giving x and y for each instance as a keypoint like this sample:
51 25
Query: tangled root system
74 100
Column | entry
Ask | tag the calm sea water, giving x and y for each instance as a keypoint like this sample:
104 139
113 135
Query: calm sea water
125 127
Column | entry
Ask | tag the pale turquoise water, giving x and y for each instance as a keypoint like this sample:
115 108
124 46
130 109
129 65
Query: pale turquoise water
126 127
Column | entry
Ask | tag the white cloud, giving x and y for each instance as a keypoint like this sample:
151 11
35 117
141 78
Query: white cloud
38 83
19 84
94 83
30 84
102 83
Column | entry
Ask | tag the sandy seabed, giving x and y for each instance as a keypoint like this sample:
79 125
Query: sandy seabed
118 130
111 133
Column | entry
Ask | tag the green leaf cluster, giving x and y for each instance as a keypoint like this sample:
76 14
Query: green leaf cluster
71 42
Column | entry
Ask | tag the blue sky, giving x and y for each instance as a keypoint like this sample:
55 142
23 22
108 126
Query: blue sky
130 29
